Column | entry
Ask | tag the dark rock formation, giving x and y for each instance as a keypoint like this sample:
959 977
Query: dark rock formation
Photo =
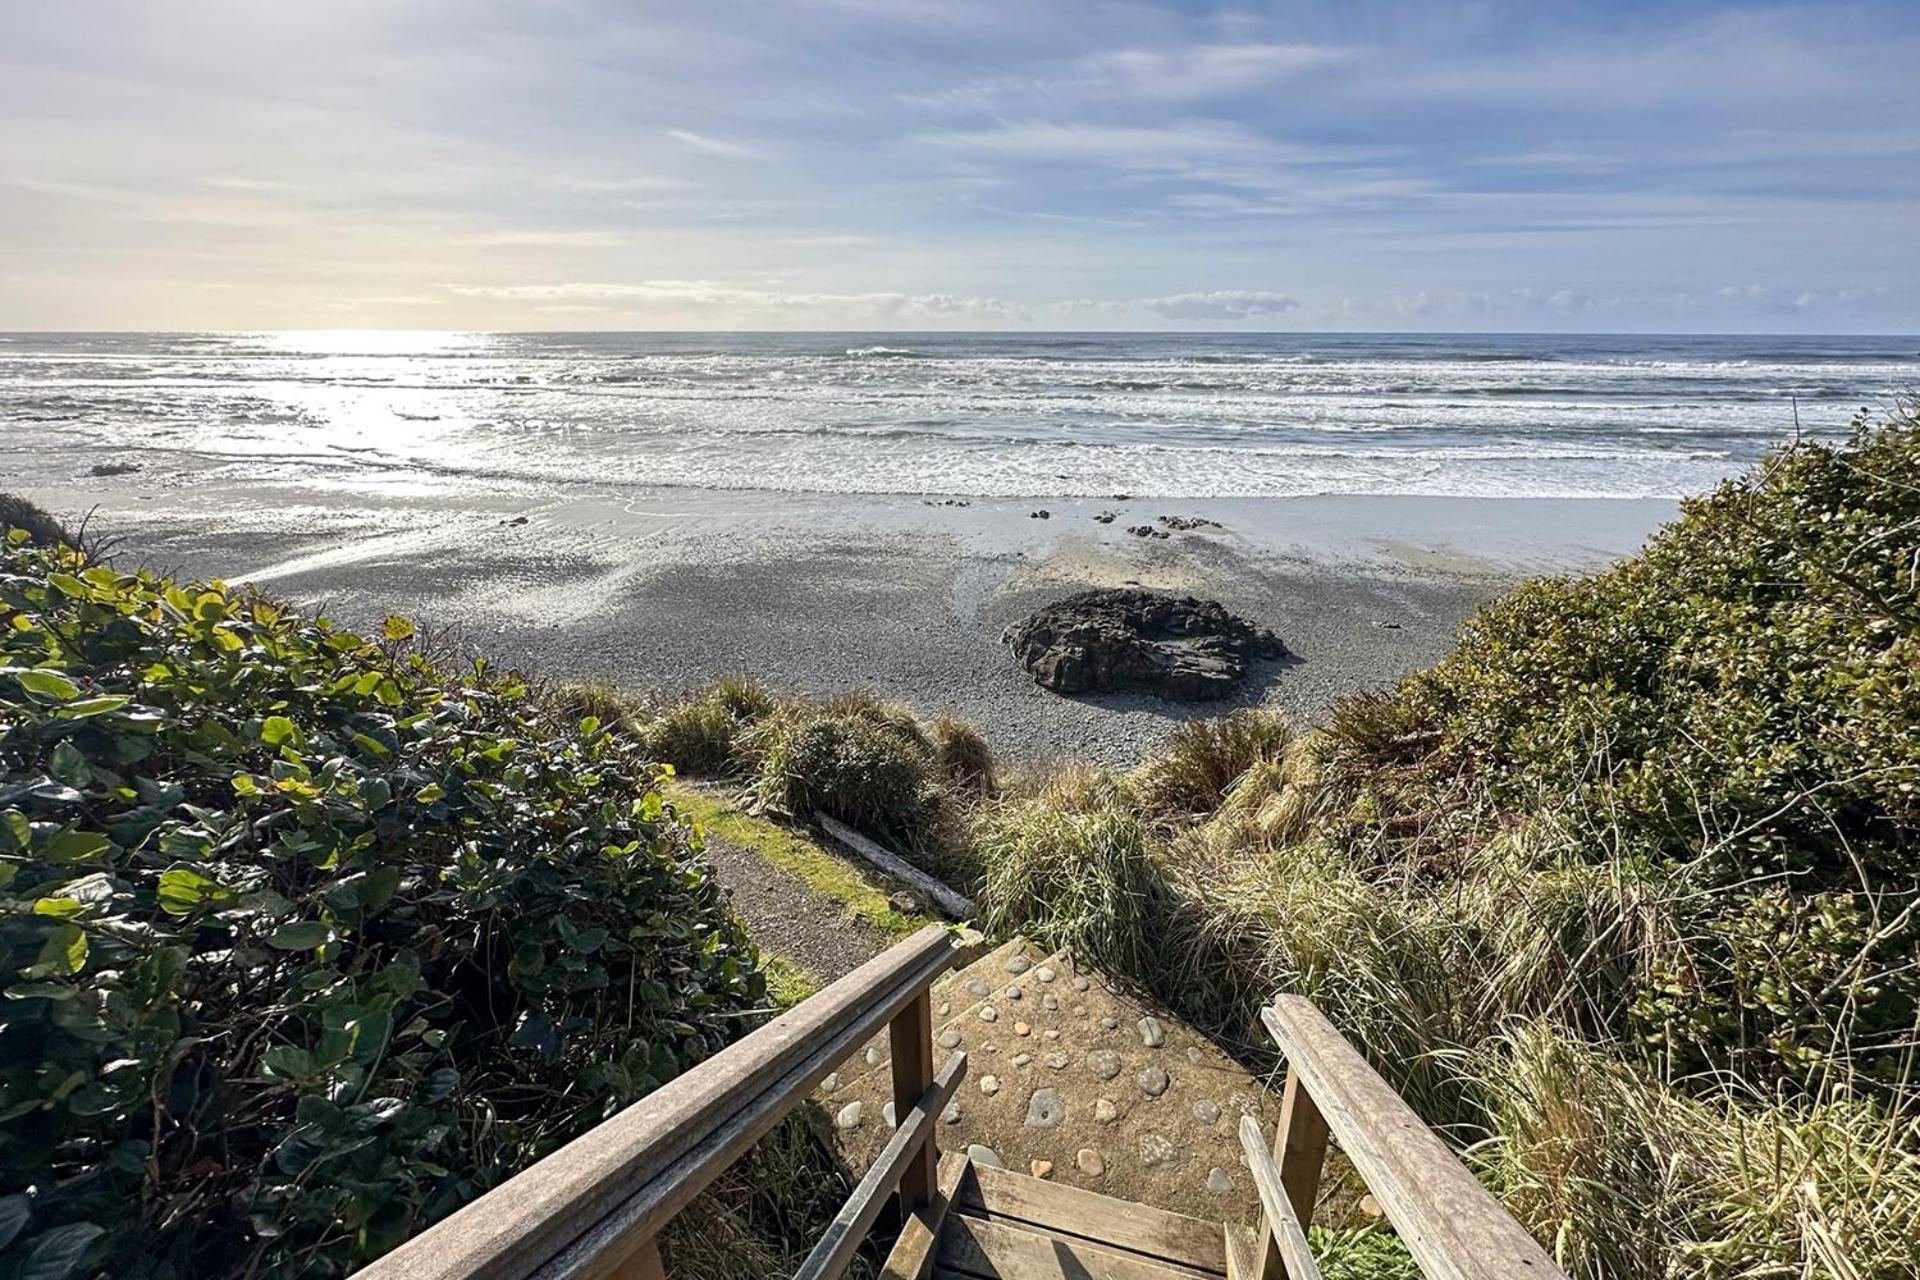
1106 640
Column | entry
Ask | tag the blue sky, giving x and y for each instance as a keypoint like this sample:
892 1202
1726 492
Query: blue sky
925 164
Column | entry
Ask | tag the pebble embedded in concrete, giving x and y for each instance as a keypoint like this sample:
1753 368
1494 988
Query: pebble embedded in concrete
988 1013
975 987
1104 1111
1017 964
1014 993
874 1055
1022 1029
1104 1063
849 1117
832 1082
1079 984
1045 1109
1040 1168
1022 1059
1206 1111
989 1085
1219 1181
1153 1082
984 1156
1091 1162
952 1114
1158 1152
1045 973
949 1038
1152 1034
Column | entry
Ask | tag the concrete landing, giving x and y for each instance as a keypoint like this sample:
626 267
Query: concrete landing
1072 1080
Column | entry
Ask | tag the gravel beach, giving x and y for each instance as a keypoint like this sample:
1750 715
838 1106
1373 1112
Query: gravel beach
904 596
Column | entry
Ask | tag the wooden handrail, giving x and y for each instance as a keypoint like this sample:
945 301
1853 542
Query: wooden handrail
913 1135
593 1208
1453 1228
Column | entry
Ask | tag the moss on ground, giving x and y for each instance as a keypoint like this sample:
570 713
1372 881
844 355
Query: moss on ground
824 873
788 981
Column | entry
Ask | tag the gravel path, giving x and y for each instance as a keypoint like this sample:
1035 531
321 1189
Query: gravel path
789 919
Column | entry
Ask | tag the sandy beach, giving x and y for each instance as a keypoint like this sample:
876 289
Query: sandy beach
906 596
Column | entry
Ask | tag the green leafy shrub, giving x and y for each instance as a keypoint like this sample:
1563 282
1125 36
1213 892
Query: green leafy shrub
304 940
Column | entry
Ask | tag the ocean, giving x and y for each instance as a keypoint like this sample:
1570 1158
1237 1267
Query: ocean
1172 415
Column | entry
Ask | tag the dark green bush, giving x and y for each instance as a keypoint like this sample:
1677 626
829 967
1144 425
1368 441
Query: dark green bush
859 768
304 940
42 530
1743 696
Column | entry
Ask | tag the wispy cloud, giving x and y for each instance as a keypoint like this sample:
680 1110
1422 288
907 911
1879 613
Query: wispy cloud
916 162
711 145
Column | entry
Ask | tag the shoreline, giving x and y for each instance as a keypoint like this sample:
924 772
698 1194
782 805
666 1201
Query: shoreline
658 588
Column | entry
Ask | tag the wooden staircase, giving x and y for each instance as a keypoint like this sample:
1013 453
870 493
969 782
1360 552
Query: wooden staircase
993 1224
595 1208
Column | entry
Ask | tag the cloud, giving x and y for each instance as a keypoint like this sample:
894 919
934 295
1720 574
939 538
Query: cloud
711 145
377 300
727 296
538 238
1219 304
238 182
1171 73
643 296
1206 70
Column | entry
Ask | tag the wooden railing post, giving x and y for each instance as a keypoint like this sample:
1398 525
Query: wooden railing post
1452 1225
1300 1149
642 1264
910 1038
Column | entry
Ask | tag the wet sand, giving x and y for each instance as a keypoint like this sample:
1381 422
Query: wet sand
821 594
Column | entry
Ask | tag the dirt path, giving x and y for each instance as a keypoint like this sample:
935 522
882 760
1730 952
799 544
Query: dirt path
789 919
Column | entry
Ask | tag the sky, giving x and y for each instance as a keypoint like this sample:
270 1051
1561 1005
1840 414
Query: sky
960 164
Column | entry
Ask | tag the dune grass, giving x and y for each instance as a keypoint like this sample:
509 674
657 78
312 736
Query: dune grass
1623 895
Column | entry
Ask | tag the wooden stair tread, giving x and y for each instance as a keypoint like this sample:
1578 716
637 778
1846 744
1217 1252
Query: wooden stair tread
1075 1215
973 1248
